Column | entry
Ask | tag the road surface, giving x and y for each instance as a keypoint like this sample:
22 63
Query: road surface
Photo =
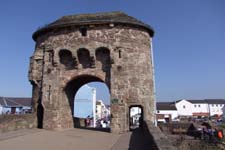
72 139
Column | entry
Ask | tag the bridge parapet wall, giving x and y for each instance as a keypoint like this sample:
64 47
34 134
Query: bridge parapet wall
16 122
154 133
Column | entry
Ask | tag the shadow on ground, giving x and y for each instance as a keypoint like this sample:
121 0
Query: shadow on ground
95 129
141 140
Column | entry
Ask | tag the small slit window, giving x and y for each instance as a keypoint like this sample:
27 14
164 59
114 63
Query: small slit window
119 53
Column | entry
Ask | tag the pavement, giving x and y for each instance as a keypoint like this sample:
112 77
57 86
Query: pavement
70 139
135 140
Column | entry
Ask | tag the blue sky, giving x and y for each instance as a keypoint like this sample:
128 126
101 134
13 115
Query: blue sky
83 102
189 41
84 98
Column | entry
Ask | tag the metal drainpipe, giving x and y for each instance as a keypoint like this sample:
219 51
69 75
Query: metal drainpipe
153 76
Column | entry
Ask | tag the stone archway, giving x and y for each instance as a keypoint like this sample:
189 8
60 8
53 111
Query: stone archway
136 116
113 48
73 86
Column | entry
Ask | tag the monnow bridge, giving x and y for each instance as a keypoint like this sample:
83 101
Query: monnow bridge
113 48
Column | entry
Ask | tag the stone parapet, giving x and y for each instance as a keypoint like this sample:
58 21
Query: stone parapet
16 122
161 141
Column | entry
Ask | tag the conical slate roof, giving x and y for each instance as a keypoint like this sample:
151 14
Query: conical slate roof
94 19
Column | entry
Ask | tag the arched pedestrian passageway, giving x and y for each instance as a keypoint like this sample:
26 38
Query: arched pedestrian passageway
136 116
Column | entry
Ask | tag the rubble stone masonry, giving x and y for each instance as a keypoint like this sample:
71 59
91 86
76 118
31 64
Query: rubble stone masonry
70 55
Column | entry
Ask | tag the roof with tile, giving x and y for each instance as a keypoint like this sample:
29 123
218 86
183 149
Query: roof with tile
15 101
94 19
165 106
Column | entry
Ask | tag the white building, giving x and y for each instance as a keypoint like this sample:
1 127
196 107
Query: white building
223 113
215 106
200 108
184 107
134 111
1 107
12 105
102 111
135 115
166 111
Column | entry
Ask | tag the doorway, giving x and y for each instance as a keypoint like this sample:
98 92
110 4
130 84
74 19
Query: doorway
135 117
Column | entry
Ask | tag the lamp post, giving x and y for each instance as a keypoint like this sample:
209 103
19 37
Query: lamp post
94 106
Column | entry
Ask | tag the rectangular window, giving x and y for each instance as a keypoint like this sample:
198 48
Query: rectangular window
199 105
184 106
195 105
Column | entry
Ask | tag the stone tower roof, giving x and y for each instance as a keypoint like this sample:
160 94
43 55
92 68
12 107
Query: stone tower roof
94 19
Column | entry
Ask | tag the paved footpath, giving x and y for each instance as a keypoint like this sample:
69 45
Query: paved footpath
71 139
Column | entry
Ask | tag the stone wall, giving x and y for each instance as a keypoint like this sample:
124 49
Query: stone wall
127 71
16 122
161 140
198 145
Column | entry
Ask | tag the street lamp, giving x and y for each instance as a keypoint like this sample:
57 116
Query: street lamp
94 106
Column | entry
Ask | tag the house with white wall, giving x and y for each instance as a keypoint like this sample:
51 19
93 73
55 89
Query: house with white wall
1 108
15 105
215 106
223 116
199 108
134 111
184 108
102 111
166 111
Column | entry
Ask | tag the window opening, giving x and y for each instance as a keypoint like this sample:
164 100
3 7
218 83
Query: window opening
119 53
83 31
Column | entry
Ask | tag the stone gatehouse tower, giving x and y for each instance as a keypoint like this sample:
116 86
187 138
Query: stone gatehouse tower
113 48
